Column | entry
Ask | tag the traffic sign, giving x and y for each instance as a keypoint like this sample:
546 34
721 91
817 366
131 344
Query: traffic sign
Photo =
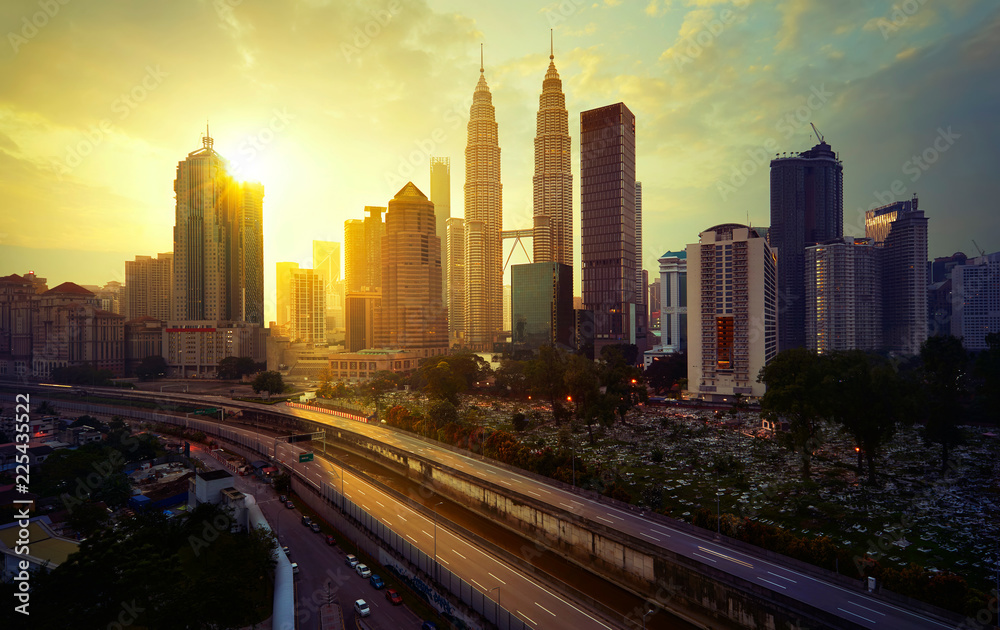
305 457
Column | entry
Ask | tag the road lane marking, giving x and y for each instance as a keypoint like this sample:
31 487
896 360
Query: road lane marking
613 516
504 482
380 503
401 517
695 553
534 493
443 560
783 577
496 578
527 617
604 519
722 555
648 536
481 587
770 582
567 505
459 554
659 531
856 615
866 608
428 535
545 609
411 538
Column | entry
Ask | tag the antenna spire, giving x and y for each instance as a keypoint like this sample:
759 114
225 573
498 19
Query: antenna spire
207 141
480 58
552 49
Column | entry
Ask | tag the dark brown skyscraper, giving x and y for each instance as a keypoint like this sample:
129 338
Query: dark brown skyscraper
607 221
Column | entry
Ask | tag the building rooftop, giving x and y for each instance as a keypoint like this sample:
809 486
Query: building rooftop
212 475
681 254
69 287
44 545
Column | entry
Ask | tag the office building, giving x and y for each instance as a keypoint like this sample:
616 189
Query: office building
732 313
326 262
68 328
976 299
673 301
441 198
307 298
542 306
194 348
607 222
939 293
843 296
553 178
412 316
16 304
218 242
148 283
900 230
355 256
359 312
455 245
640 284
506 307
653 291
807 207
282 289
483 222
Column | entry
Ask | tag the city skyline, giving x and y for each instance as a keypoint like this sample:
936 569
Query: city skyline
75 217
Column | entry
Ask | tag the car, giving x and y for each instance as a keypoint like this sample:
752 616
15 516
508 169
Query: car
393 596
315 527
306 521
376 582
286 550
295 567
283 498
351 560
289 505
428 625
363 570
330 540
361 607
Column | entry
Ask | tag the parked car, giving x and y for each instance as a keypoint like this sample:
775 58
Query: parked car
306 521
376 582
330 540
428 625
393 596
282 498
289 505
351 560
315 527
361 607
285 549
363 570
295 567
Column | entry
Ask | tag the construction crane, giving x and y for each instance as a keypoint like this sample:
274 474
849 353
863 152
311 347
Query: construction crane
978 248
816 131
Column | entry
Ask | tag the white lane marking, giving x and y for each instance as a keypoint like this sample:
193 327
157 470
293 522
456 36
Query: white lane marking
459 555
428 535
504 482
496 578
722 555
361 491
770 582
545 609
401 517
613 516
695 553
481 587
604 519
443 560
534 493
567 505
648 536
527 617
856 615
783 577
380 503
659 531
866 608
364 507
411 538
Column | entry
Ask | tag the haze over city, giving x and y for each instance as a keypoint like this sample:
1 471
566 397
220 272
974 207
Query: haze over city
334 106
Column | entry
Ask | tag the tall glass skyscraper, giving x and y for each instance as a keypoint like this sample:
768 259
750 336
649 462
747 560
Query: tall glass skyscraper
542 306
607 222
441 197
807 207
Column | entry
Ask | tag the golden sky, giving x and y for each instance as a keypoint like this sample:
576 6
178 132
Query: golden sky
335 105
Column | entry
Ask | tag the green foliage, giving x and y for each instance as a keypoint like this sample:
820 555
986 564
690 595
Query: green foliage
546 377
519 421
151 367
443 382
87 518
235 368
944 370
664 373
510 379
269 381
622 381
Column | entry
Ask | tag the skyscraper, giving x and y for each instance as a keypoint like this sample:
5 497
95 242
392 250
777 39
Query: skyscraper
374 231
976 300
441 198
218 242
283 292
412 316
307 295
843 296
542 306
483 221
807 207
900 229
607 222
363 277
355 258
455 245
640 294
732 318
148 284
553 180
673 302
326 262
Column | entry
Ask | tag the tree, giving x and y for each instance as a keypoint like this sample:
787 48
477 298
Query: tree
622 381
510 379
87 517
153 366
269 381
46 409
235 368
380 384
944 371
988 379
664 372
794 380
583 382
546 377
443 383
325 378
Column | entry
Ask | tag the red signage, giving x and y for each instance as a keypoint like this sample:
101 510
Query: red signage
190 330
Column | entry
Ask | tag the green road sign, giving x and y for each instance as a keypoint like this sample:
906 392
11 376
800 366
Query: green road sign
305 457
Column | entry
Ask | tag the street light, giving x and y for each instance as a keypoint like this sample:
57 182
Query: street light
497 589
644 615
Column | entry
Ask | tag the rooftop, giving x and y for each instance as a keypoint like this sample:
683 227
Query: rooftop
212 475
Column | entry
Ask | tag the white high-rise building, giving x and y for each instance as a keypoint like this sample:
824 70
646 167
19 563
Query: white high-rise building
732 312
976 300
307 301
673 302
843 292
148 283
455 245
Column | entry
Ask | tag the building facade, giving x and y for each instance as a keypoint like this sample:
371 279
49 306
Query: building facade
673 302
553 179
607 222
307 297
732 323
900 230
355 367
976 300
455 244
360 312
194 348
412 316
441 198
843 296
68 329
483 221
148 283
542 306
355 258
807 207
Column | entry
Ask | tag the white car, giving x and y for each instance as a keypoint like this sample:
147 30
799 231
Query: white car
295 567
361 607
363 570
